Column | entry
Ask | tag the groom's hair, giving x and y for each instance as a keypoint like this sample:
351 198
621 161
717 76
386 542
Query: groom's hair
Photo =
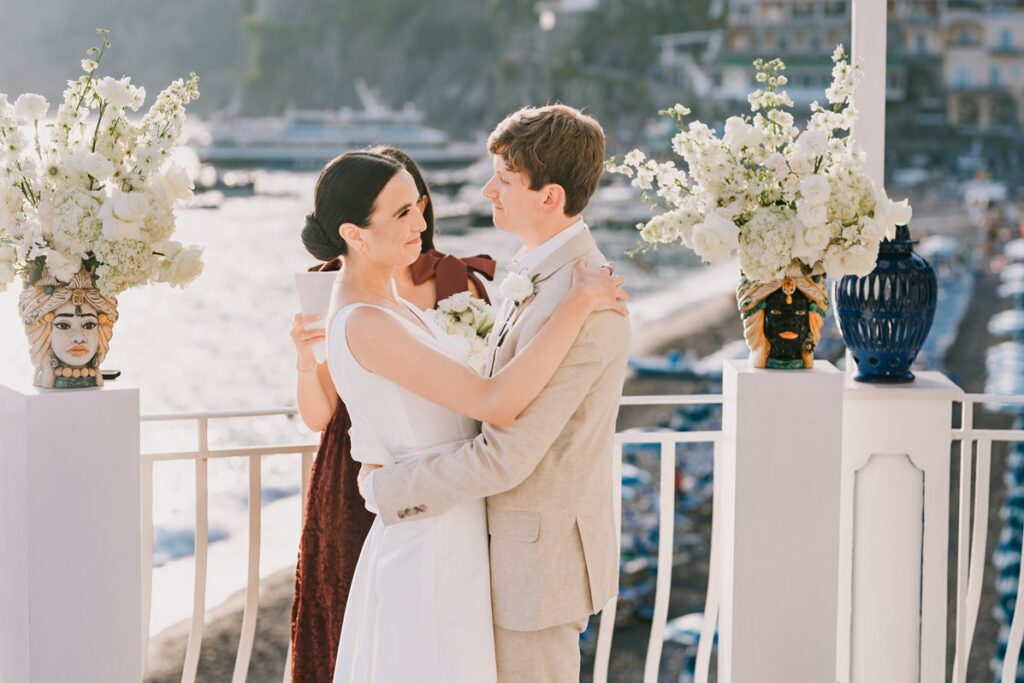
553 144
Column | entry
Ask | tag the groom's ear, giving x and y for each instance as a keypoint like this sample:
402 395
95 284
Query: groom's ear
553 197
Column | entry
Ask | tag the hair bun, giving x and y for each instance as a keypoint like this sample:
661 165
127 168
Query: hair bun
317 242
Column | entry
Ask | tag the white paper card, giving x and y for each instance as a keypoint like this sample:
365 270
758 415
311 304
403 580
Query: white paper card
314 299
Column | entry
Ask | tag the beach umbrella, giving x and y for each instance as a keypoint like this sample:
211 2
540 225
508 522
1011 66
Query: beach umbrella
1014 271
1007 322
1011 288
1014 250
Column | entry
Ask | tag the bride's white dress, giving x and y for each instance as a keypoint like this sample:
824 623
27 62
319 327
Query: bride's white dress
419 608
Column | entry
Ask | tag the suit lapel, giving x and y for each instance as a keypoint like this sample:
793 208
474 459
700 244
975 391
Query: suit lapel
571 251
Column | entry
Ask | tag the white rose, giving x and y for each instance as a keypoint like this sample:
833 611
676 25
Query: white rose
459 302
112 91
31 107
853 260
811 214
518 288
122 214
94 163
183 267
715 239
174 183
62 267
815 189
871 229
810 242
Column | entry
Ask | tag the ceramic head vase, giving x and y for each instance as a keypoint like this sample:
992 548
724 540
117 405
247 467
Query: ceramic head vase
782 319
69 326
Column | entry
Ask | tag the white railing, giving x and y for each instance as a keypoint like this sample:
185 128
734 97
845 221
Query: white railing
974 447
975 450
201 455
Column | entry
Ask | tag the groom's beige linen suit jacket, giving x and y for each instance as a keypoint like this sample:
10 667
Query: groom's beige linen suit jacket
547 477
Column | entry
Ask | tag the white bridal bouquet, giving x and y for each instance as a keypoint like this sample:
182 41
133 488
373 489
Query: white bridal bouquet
768 190
94 189
470 320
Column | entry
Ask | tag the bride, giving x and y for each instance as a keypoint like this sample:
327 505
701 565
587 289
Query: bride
419 607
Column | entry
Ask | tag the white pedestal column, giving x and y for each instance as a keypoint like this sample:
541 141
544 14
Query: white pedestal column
70 535
894 531
782 433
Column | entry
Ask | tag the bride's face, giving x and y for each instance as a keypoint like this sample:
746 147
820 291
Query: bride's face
393 236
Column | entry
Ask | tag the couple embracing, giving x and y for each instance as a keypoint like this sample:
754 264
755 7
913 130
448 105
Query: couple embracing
493 543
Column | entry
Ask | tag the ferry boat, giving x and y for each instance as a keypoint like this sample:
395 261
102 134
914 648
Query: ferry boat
307 139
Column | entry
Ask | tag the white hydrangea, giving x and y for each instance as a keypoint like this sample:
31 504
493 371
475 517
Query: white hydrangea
766 243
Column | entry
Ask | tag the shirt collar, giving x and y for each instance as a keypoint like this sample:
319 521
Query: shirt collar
527 261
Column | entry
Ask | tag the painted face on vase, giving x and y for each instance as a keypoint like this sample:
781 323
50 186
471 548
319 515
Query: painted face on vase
75 335
785 323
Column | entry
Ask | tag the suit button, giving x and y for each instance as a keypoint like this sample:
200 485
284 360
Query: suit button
402 513
420 508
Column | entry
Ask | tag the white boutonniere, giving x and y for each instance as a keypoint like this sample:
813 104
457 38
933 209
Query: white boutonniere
518 288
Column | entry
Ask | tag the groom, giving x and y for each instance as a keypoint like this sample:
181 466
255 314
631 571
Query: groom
548 476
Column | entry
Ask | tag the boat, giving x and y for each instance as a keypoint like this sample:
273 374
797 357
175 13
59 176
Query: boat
308 139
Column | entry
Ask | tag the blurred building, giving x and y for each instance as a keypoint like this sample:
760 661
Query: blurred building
952 64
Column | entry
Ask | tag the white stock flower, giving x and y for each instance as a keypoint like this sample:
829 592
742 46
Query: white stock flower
123 214
31 107
776 163
739 134
113 91
89 65
518 288
715 238
634 158
815 189
812 143
62 267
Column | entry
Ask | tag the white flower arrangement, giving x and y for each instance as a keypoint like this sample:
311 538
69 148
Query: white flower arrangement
469 320
769 191
95 188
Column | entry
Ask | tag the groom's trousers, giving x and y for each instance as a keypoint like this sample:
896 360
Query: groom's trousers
548 656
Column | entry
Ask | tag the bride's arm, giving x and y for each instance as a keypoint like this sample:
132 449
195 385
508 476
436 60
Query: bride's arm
383 346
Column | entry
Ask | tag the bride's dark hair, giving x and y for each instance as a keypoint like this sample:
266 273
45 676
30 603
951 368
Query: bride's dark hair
346 192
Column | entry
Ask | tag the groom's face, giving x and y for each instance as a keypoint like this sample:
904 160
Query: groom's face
515 206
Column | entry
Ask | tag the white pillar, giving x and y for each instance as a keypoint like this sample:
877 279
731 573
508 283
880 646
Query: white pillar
868 29
894 531
70 537
782 432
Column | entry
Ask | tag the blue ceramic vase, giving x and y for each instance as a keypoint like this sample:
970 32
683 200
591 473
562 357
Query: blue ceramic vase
885 316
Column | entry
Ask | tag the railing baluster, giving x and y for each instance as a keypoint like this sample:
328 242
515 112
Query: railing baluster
202 536
963 541
979 539
603 653
663 585
711 599
252 584
146 503
1013 644
306 468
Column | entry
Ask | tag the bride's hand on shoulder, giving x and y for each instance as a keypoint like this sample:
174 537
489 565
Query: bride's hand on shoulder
599 288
